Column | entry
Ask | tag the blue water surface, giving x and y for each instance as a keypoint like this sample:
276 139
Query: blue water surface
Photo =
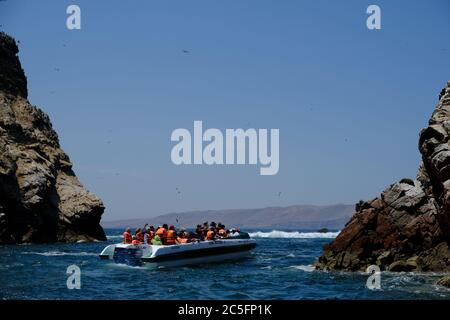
279 268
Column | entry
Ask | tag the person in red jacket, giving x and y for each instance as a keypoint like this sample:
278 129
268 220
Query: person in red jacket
127 238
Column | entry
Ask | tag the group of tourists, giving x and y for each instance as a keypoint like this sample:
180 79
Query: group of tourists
168 235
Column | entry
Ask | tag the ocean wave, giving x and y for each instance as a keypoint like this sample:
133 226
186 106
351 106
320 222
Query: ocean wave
307 268
293 234
59 253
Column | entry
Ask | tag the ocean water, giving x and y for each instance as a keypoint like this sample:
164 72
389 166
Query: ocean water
279 268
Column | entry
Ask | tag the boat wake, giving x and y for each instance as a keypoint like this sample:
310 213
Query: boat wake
59 253
294 234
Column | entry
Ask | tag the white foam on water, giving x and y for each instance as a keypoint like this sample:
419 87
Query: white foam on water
114 237
307 268
59 253
294 234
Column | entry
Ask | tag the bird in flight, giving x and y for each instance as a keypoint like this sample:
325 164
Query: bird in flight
186 51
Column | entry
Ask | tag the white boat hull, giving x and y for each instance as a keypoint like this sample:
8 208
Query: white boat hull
178 255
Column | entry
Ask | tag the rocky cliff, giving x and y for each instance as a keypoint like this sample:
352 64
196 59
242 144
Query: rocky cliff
41 199
407 227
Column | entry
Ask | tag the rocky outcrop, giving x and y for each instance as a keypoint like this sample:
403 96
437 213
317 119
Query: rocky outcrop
408 227
445 282
41 199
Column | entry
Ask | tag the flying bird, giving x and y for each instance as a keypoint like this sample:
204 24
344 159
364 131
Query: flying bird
186 51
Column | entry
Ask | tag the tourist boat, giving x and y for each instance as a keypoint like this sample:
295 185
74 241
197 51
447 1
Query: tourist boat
178 254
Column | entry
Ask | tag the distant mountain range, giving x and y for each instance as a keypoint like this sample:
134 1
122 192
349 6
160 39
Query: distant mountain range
308 217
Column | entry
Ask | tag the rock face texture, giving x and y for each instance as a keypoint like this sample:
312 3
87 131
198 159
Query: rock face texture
407 228
41 199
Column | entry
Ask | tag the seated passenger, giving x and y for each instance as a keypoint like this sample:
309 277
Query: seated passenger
151 233
210 235
127 238
171 236
139 235
199 232
147 237
182 237
156 241
162 233
135 241
222 232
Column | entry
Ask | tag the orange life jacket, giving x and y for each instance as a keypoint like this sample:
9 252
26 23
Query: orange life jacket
127 238
161 232
135 241
170 238
210 235
222 233
140 237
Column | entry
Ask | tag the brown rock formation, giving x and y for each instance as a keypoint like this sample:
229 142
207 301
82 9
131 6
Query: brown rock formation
408 227
41 199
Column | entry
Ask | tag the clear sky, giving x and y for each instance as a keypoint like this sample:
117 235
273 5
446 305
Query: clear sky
349 102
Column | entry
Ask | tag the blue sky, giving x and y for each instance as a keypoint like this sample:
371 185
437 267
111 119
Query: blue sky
349 102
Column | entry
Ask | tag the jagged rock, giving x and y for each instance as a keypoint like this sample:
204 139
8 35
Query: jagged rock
445 282
41 199
407 228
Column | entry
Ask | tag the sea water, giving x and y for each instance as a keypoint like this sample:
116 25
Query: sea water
279 268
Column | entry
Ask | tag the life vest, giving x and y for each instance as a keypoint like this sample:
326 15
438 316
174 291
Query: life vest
182 240
170 238
127 238
135 241
140 237
210 235
222 233
156 240
161 232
